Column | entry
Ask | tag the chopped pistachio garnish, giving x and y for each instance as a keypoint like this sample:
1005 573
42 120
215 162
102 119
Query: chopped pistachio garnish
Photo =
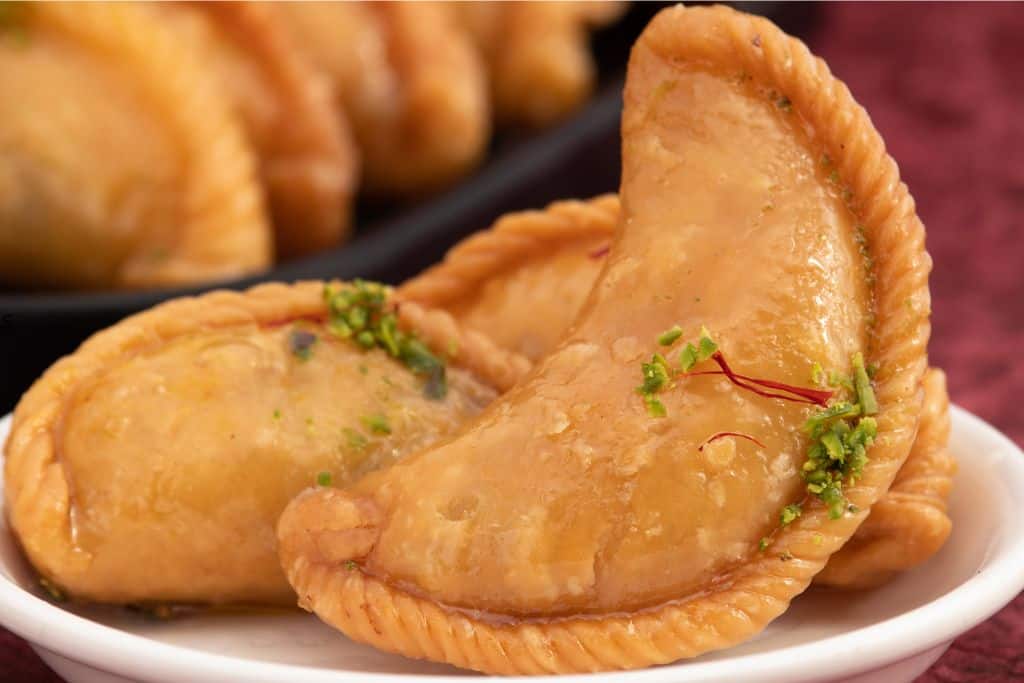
840 436
818 375
351 565
301 344
324 479
359 312
763 544
377 424
277 413
789 514
355 440
669 337
691 355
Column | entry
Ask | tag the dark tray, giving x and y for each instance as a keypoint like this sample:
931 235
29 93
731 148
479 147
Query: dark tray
579 158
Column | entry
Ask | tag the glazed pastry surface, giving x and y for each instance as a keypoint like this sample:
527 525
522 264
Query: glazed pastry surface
126 189
524 280
566 529
152 464
410 81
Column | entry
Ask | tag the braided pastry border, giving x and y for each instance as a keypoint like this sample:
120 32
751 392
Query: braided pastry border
512 239
37 491
373 612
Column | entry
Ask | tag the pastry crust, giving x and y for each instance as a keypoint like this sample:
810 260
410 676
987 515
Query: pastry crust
537 54
411 83
910 523
549 604
151 464
308 160
180 203
523 281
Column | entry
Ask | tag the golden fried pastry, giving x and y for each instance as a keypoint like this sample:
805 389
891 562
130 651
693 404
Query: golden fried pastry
523 281
307 157
122 164
151 464
909 524
537 54
582 522
409 79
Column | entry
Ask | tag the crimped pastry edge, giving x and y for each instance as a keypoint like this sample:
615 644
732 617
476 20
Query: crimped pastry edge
373 612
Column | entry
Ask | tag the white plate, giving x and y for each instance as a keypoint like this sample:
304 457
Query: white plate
889 634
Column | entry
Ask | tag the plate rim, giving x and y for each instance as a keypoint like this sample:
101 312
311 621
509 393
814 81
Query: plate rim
111 650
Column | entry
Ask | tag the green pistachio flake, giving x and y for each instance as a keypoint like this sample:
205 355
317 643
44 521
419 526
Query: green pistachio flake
351 565
277 413
763 544
669 337
862 383
324 479
688 357
817 375
656 375
706 347
789 514
354 439
655 408
377 424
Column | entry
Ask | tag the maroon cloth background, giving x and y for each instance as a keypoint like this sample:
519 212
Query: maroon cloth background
945 86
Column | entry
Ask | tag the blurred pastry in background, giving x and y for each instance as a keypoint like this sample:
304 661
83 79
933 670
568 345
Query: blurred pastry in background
308 160
411 81
122 160
537 54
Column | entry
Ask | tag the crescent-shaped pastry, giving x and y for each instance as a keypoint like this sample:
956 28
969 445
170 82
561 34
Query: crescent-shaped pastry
411 82
307 157
583 523
537 54
122 164
151 465
910 523
524 280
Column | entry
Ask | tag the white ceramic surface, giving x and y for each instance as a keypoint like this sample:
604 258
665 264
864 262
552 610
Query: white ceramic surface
886 635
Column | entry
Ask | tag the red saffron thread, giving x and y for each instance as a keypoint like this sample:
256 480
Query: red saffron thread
718 435
600 252
818 397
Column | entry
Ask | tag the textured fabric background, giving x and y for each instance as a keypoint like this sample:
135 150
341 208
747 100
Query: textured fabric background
945 86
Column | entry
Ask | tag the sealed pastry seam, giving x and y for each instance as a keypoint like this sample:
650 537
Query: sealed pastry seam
746 598
39 498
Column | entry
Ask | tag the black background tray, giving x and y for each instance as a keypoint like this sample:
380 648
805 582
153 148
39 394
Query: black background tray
579 158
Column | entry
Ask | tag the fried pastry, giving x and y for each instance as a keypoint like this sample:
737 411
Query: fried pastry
307 157
580 524
151 464
523 281
409 79
153 183
537 55
909 524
